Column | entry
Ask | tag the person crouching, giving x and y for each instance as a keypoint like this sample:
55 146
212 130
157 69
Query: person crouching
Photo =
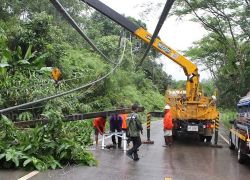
99 127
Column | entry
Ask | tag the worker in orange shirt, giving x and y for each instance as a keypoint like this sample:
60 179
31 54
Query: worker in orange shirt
167 126
99 127
124 118
124 125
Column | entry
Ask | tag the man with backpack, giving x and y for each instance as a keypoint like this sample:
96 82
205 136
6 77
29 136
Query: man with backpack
134 127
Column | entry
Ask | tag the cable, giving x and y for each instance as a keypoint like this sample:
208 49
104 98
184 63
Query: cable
164 14
66 15
73 23
67 92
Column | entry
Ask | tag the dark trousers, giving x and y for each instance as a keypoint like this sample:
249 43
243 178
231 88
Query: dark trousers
118 129
136 144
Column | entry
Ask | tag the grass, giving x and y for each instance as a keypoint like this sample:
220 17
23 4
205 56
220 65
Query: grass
227 115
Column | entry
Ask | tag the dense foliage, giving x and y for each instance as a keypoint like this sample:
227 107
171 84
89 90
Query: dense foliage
43 147
33 39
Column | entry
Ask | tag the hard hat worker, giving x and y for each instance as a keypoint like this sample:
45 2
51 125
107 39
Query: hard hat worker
167 126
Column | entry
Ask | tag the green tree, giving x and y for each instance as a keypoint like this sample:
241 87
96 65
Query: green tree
225 49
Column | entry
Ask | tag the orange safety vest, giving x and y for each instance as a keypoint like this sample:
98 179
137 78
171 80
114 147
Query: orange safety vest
167 121
124 118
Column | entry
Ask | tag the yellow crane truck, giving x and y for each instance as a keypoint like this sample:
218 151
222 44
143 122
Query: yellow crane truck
239 137
192 111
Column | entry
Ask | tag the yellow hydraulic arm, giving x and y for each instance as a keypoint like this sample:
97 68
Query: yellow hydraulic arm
190 69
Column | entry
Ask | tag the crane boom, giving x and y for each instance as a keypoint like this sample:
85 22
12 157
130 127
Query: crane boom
190 69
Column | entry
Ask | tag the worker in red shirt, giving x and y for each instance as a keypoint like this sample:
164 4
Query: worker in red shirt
99 126
167 126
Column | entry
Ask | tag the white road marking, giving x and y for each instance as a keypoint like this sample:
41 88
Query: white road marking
224 138
28 176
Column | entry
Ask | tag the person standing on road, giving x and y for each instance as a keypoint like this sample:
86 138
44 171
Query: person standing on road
124 118
124 126
99 126
116 126
124 123
134 127
167 126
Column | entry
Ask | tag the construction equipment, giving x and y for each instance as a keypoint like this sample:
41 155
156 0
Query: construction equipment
192 111
239 137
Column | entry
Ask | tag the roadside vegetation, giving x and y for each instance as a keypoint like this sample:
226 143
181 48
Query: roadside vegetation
227 115
34 38
224 50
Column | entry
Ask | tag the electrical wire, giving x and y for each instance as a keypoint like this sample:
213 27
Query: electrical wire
70 91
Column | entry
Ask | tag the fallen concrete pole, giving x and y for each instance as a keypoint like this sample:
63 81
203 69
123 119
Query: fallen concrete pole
77 117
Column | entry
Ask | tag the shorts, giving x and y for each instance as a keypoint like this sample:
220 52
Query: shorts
97 131
167 132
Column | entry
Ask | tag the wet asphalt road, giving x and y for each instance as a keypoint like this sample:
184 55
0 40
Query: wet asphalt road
186 160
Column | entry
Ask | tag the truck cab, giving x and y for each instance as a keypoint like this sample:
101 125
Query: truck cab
239 136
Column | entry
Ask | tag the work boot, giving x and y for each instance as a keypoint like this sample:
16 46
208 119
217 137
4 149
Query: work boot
130 155
136 158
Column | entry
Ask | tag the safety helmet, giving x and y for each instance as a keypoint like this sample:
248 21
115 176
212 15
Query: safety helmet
167 107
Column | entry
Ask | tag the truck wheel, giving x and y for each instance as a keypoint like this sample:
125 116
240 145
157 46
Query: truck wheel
241 156
201 137
231 145
208 139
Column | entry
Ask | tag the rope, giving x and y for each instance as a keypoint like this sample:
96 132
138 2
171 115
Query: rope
70 91
164 14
